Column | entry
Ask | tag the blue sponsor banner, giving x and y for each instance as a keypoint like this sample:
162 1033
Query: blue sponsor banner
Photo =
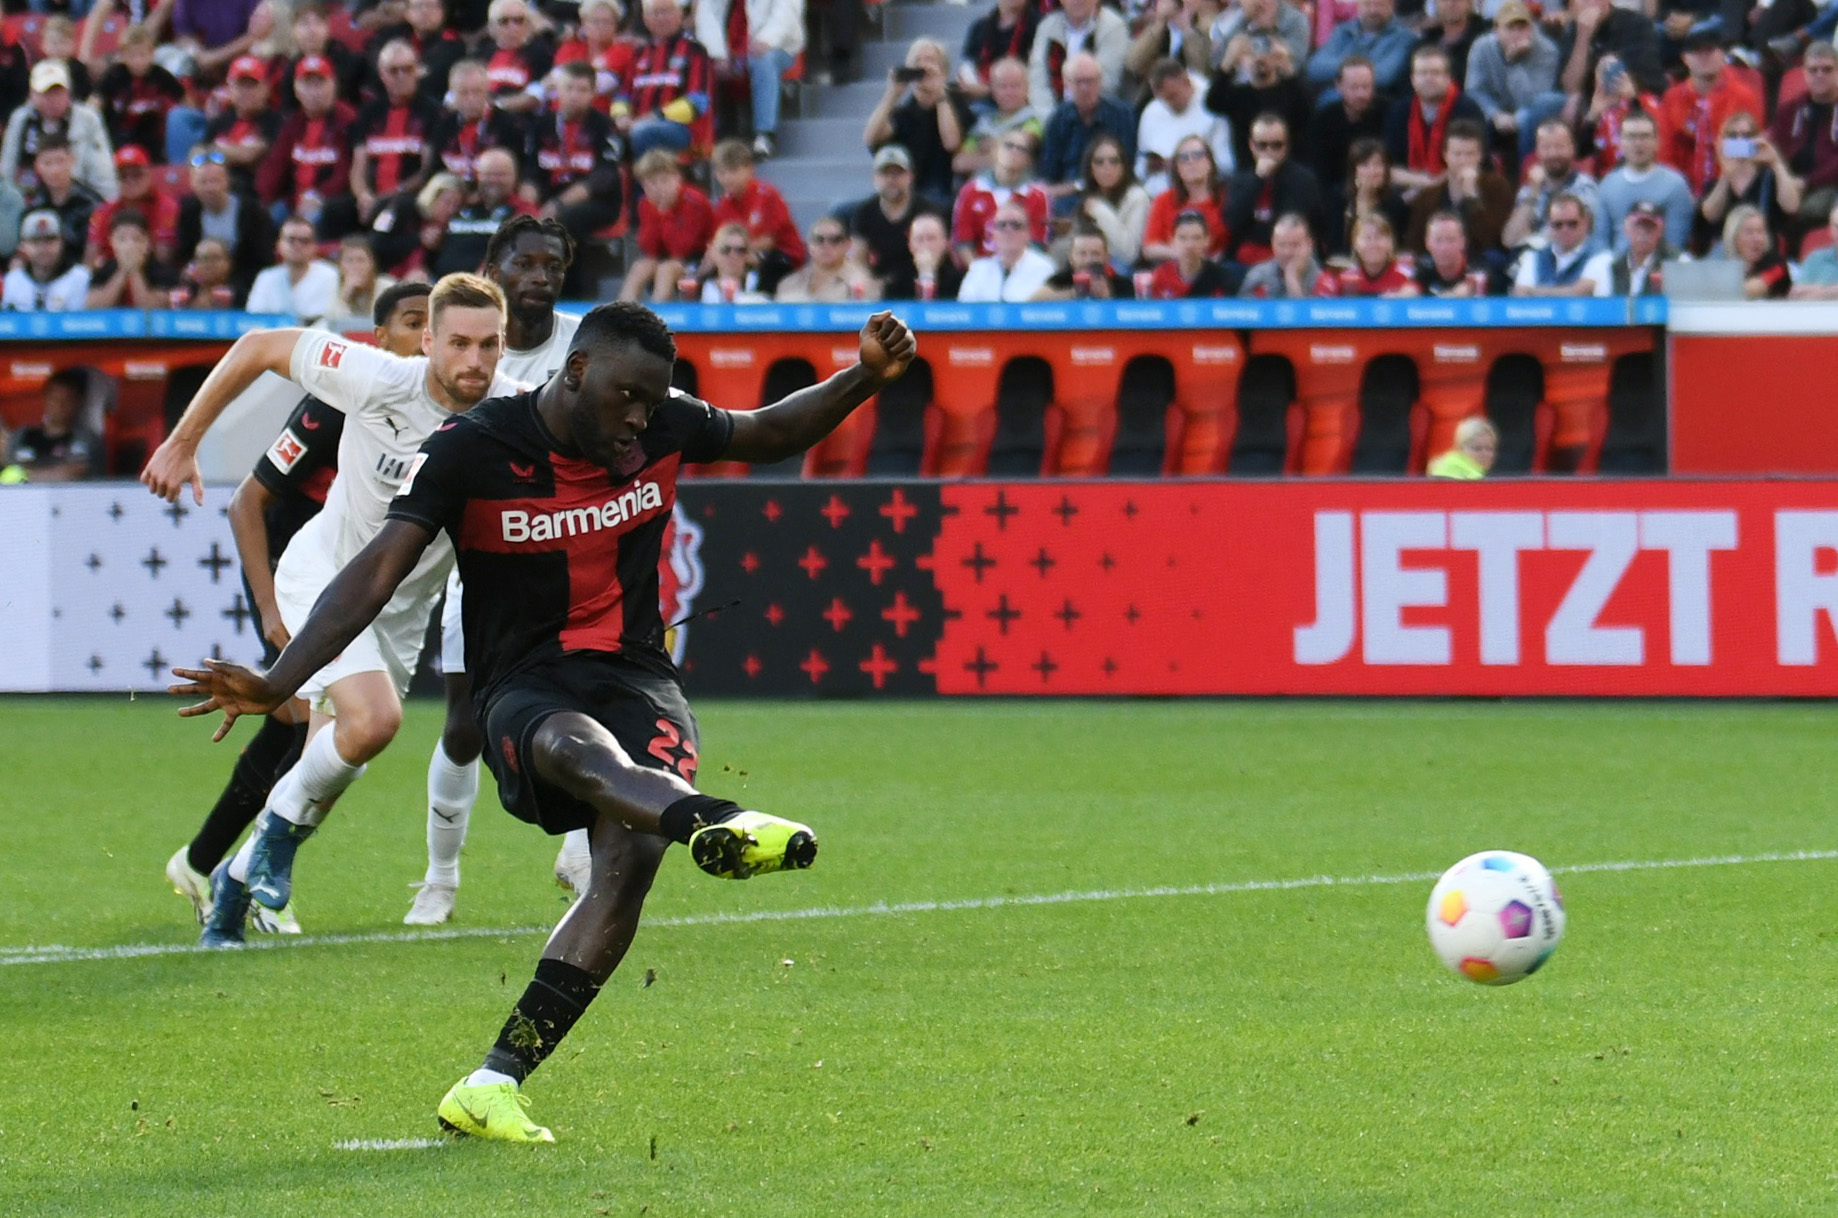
944 315
1329 314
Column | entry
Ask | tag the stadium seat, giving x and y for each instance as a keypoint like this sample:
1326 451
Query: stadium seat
108 34
1390 429
1327 368
342 28
1267 440
175 180
1207 368
1515 405
26 30
1816 239
1635 440
1026 427
1147 429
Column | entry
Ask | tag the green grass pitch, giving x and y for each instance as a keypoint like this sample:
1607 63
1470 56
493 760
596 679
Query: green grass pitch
1243 1050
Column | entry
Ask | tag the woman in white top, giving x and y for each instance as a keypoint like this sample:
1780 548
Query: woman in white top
1113 200
1016 271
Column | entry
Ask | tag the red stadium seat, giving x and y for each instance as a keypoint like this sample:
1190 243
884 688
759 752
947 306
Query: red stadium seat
342 29
108 35
1817 239
24 29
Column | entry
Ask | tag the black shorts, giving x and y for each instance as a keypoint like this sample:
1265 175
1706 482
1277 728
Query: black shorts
644 710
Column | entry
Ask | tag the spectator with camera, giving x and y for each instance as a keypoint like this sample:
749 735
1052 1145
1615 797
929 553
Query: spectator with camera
1749 172
1599 28
1263 24
921 114
1615 98
1256 76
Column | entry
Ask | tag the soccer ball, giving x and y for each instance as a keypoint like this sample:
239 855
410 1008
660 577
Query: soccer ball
1496 917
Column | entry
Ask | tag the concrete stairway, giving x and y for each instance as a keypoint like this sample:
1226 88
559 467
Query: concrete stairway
822 160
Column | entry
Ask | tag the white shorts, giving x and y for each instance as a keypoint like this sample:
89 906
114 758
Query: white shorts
391 644
452 636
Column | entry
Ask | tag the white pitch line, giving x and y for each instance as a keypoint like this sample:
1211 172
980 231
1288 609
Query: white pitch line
391 1144
67 955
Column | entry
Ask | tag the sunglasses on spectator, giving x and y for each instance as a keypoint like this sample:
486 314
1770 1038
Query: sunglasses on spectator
207 158
1009 225
1107 160
731 249
1016 148
1566 224
513 19
828 238
1192 154
1269 145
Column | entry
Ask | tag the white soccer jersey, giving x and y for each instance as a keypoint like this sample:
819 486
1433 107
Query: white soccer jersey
538 364
388 414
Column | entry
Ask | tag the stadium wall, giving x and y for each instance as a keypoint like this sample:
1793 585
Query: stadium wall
1538 587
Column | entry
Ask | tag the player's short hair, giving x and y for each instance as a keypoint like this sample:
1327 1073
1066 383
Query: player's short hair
732 154
1165 70
1355 61
463 290
130 217
1193 217
1473 427
391 298
1465 129
505 239
1089 231
624 321
1572 200
54 142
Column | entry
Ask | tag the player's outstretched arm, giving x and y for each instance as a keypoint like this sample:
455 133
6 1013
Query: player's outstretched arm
791 425
175 462
349 603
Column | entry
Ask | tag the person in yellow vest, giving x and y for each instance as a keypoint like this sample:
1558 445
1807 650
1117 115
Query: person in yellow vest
1476 441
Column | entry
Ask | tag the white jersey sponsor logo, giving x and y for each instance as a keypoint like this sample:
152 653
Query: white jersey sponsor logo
520 526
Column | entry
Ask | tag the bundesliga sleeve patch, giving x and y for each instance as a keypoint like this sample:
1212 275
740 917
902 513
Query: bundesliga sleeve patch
331 354
286 451
408 481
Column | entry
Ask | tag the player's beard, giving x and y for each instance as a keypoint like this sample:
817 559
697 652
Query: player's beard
594 443
464 394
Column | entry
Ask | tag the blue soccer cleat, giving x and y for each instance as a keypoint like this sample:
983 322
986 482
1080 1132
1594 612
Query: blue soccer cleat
223 924
271 864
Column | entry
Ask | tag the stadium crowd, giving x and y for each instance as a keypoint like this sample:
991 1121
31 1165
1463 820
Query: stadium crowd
296 159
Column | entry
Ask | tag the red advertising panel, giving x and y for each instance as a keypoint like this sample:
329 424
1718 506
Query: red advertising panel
1643 588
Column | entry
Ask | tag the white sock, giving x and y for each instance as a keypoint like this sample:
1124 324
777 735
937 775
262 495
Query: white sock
575 847
451 792
485 1078
307 792
239 866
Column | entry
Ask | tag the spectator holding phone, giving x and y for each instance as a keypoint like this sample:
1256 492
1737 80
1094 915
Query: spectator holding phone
1697 108
1749 173
1615 98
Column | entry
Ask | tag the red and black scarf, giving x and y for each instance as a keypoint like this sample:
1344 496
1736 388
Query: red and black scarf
1426 142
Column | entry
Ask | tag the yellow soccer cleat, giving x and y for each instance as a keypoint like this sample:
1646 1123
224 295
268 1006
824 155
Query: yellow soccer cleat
490 1110
753 843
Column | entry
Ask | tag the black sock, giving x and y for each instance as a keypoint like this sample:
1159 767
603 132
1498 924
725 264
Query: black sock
557 996
275 747
691 812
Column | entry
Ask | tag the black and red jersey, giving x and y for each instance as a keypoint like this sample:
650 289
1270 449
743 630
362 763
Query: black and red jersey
457 143
135 107
562 153
559 555
298 469
662 72
394 140
515 70
310 156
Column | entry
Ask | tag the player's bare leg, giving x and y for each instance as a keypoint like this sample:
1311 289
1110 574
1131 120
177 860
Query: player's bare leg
641 810
453 787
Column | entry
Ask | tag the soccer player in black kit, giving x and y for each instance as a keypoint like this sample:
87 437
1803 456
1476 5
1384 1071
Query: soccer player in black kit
556 501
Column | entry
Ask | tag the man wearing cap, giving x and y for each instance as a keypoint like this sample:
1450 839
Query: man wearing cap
244 133
59 191
310 163
1512 77
1693 110
1641 179
1644 250
138 193
880 224
49 279
50 112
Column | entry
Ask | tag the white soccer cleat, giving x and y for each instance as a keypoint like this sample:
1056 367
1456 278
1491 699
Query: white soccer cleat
573 873
433 905
192 885
274 921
